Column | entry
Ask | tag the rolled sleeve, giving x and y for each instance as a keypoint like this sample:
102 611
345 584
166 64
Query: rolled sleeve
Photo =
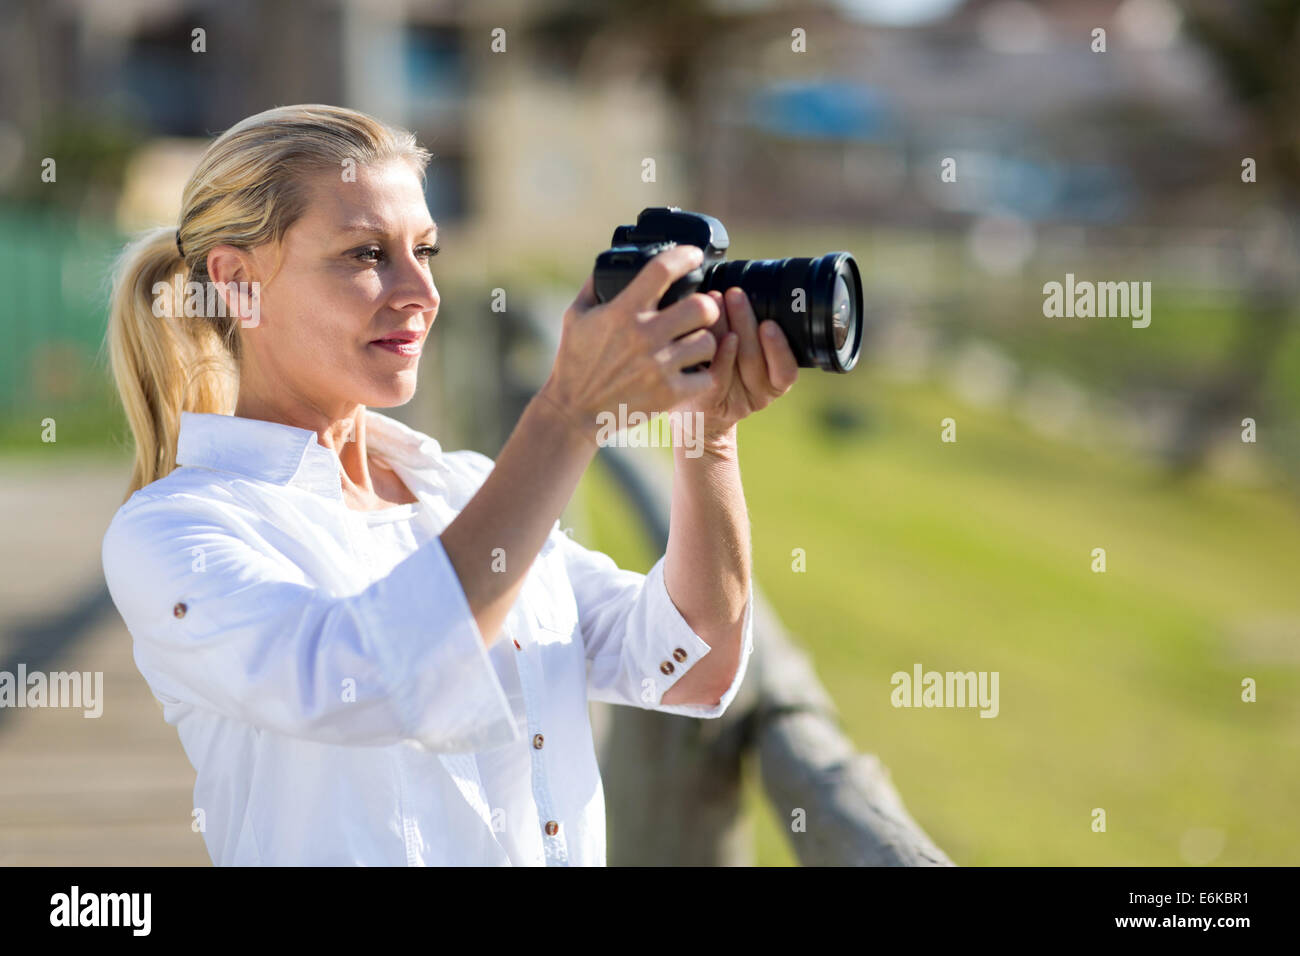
247 635
675 634
637 642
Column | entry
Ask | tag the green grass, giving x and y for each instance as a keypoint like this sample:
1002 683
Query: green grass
1118 690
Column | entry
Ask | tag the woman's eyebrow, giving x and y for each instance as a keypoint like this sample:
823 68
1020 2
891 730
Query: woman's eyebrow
372 228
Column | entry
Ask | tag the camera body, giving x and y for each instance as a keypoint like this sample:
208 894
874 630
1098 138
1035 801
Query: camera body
817 302
658 228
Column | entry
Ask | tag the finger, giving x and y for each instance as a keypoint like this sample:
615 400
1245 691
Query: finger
782 367
723 369
687 385
699 346
649 285
695 312
721 327
751 366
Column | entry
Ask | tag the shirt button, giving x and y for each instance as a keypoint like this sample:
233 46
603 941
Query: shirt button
537 741
679 654
517 647
179 609
552 828
666 667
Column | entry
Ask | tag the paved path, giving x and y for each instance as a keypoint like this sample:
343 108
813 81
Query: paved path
112 790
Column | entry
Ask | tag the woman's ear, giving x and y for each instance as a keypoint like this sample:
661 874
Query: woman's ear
233 273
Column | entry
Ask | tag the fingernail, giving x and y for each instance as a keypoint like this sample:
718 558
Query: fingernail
769 329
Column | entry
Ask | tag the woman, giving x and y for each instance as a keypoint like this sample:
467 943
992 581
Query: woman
376 652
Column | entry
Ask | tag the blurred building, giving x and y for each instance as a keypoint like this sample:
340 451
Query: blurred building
544 130
552 121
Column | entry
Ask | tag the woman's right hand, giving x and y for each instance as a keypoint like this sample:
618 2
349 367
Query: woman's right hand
627 352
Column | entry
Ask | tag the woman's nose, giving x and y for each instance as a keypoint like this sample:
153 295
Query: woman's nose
417 292
431 296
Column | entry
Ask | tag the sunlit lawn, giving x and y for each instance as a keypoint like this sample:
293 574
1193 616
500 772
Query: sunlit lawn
1119 691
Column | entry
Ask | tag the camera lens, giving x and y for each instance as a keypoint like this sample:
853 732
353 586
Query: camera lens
840 317
817 302
845 318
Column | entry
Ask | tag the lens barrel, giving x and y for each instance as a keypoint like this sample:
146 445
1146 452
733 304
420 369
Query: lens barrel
817 302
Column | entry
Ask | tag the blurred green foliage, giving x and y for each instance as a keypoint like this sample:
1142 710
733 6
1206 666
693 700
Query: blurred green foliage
92 151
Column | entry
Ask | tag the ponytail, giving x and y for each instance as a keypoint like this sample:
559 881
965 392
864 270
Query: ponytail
164 362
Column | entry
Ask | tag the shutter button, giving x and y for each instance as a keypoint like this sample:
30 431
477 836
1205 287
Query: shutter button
179 609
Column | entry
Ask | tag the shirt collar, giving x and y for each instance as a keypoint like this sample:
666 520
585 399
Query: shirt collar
287 455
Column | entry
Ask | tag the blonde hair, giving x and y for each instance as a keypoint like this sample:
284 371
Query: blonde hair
246 190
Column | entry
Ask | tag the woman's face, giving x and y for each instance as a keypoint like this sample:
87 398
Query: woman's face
350 298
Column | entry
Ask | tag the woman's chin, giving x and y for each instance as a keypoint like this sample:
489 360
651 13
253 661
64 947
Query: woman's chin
390 394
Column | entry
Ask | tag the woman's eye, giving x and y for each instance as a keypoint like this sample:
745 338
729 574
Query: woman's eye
377 255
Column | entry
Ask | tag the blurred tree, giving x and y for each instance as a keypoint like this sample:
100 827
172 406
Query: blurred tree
90 153
1255 47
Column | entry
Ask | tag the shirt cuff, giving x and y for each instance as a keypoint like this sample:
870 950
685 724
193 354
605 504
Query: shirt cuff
441 679
676 639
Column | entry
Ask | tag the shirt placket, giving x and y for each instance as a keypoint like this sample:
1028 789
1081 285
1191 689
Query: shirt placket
554 832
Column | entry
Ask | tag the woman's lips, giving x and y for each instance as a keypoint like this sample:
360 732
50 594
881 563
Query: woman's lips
405 347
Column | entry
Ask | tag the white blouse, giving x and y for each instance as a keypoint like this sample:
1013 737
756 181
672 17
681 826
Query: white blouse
328 680
394 533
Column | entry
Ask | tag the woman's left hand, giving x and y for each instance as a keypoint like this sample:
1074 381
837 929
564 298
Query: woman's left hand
752 366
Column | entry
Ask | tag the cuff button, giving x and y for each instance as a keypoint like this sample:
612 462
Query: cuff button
179 609
666 667
552 828
679 654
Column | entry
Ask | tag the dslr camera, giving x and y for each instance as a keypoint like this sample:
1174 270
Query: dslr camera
816 302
